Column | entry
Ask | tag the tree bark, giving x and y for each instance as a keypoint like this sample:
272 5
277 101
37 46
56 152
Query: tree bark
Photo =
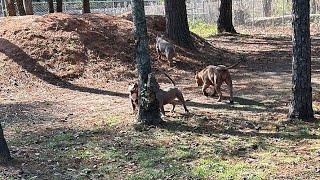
225 17
28 7
177 28
301 100
20 6
50 6
267 8
11 8
4 150
59 5
149 112
86 6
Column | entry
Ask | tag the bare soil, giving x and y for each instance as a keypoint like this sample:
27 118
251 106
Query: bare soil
67 73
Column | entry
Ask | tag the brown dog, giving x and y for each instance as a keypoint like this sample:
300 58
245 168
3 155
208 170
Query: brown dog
166 96
215 75
165 48
133 95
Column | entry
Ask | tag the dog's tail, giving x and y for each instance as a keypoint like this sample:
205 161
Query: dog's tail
174 84
236 64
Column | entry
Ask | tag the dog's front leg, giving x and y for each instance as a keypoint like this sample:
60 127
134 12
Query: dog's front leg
204 87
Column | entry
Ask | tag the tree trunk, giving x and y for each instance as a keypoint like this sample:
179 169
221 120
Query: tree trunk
4 150
20 6
148 105
59 5
301 100
225 17
267 8
177 27
11 8
28 7
50 6
86 6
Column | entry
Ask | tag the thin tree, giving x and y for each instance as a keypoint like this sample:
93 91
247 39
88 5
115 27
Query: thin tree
59 5
177 28
4 150
11 8
20 6
267 8
225 17
28 7
148 105
50 6
301 98
86 6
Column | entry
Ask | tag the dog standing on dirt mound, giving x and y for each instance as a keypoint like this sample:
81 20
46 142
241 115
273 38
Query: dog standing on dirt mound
215 75
165 48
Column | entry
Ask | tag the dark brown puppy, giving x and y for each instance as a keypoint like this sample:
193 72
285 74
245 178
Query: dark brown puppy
133 95
215 76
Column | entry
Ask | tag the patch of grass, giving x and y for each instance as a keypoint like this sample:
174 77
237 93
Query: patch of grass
60 140
17 130
220 169
202 29
110 121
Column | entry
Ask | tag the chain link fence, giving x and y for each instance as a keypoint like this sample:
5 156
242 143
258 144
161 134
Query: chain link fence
245 12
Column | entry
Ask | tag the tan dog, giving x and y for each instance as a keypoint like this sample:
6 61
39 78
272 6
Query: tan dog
167 96
215 75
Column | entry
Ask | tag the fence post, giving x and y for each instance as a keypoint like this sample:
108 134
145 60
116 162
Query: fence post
253 13
282 12
3 8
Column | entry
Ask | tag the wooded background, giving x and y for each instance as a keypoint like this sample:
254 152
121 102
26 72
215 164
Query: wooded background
245 12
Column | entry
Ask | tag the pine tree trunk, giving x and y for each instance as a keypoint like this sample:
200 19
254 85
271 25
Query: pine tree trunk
86 6
301 100
11 8
225 17
50 6
267 8
28 7
20 6
4 150
148 105
59 5
177 27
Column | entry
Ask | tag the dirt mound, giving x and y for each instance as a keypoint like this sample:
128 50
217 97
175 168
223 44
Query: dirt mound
89 46
71 46
154 22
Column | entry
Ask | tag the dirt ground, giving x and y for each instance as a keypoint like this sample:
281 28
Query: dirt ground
66 73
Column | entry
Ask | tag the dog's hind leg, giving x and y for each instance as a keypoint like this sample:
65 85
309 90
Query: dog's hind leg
133 106
229 83
217 87
181 99
173 106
